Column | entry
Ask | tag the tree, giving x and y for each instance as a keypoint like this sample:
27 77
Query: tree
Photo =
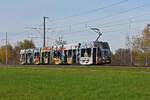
146 40
26 44
121 57
141 46
141 43
9 53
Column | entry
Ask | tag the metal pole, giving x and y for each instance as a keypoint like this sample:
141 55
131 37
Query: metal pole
130 22
44 31
6 49
131 57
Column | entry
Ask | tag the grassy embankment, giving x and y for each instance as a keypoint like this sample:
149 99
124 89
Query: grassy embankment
74 83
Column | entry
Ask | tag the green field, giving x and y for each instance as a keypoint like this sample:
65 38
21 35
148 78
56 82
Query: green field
74 83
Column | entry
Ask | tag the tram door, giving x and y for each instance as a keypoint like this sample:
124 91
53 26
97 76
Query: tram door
65 56
25 58
74 57
48 56
42 57
94 55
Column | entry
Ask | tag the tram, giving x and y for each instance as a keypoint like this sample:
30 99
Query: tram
87 53
95 53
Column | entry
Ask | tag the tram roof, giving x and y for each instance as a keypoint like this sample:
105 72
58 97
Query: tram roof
48 48
92 44
37 50
67 46
71 46
29 50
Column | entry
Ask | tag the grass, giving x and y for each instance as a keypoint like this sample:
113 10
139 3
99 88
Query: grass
73 83
105 68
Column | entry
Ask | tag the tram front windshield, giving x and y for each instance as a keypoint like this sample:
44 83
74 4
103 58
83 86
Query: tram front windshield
105 46
106 53
86 52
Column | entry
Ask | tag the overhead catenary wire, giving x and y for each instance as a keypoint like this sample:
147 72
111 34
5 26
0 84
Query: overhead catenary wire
133 17
91 11
113 25
79 31
107 16
135 21
113 15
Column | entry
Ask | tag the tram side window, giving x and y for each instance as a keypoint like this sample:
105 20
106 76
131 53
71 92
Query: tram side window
99 52
54 54
57 54
65 53
43 54
88 52
74 52
70 53
37 54
48 53
29 54
82 52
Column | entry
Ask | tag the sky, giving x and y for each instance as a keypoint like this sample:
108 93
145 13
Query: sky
72 19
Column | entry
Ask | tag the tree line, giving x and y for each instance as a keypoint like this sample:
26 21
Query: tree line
137 52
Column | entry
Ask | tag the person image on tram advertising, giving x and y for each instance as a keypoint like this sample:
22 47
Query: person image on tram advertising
85 54
86 57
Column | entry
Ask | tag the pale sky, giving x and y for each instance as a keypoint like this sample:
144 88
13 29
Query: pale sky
71 19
